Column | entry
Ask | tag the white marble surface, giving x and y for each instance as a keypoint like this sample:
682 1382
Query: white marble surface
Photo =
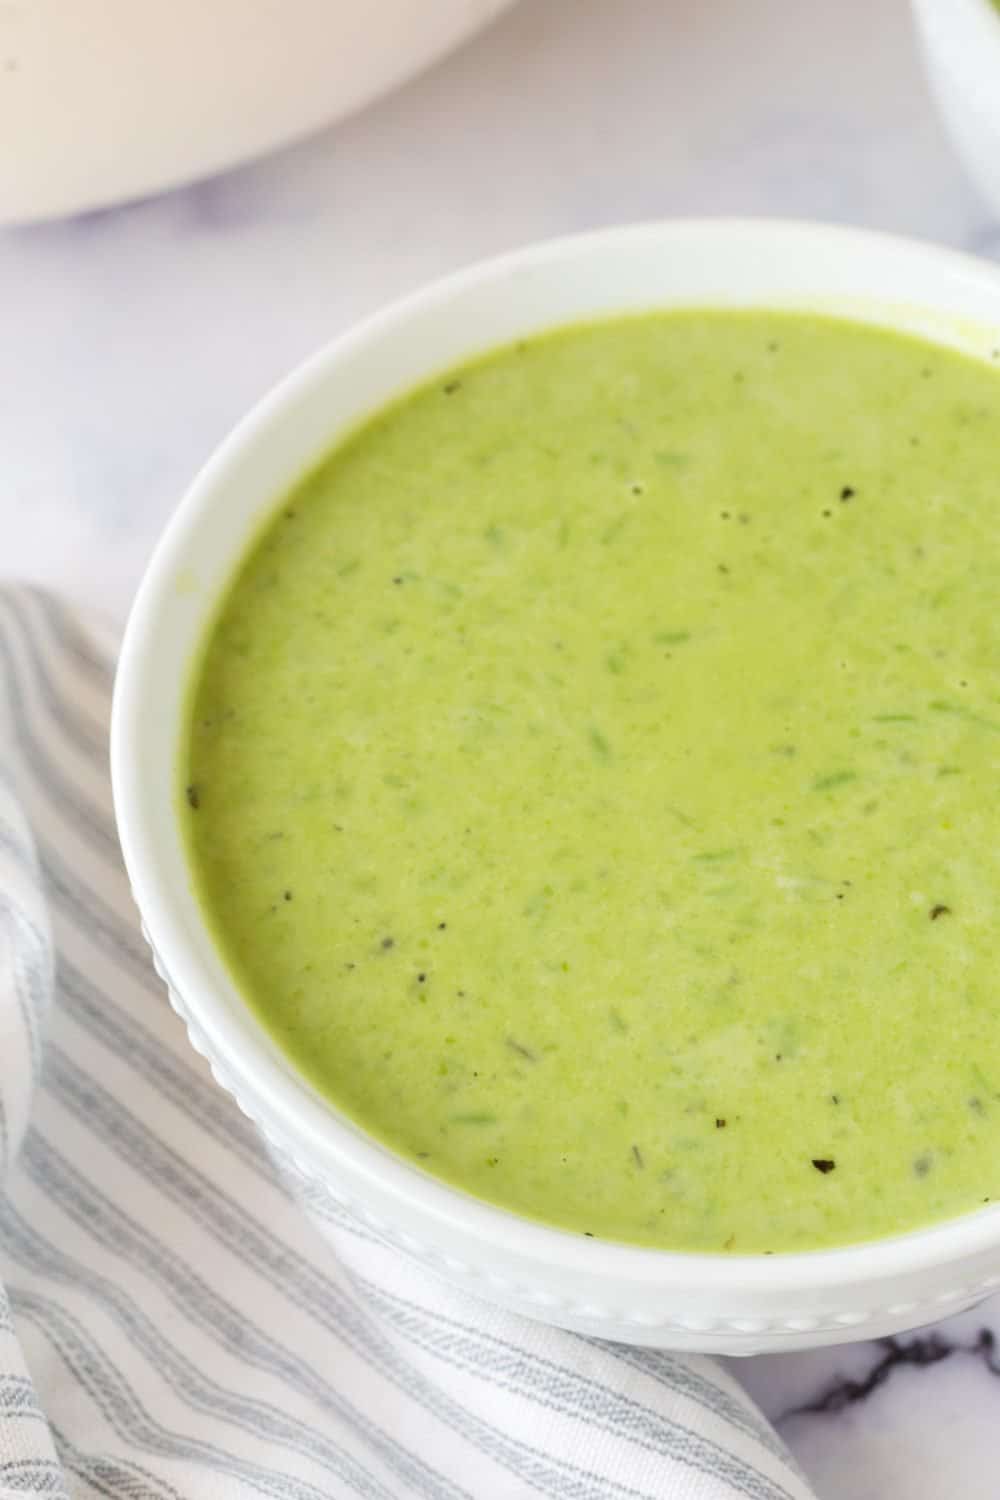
131 340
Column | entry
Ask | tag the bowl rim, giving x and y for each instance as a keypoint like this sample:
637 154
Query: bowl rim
274 1091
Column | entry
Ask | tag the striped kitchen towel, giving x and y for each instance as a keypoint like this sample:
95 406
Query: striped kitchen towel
171 1324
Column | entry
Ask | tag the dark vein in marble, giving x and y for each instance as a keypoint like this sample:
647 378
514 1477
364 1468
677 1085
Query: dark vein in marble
928 1349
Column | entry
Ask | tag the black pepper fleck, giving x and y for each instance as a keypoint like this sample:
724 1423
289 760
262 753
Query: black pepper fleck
451 387
388 942
637 1157
847 493
442 926
823 1164
421 978
939 911
288 895
193 797
720 1124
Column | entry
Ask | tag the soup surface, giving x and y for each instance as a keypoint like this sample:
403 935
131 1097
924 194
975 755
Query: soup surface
592 780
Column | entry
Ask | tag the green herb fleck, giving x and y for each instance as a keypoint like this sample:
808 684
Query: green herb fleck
835 778
959 711
599 744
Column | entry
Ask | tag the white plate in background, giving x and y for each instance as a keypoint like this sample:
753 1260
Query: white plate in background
961 46
105 100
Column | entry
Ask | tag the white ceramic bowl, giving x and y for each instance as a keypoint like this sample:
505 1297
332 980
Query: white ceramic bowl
104 100
961 46
734 1304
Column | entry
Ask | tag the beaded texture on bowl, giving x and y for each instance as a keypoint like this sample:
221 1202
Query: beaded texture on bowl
732 1336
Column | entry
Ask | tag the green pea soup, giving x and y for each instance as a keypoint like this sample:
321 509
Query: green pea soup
591 780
